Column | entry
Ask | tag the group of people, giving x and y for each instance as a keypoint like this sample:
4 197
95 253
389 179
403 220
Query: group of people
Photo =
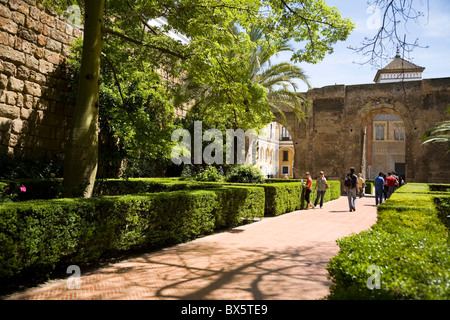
321 187
354 185
386 186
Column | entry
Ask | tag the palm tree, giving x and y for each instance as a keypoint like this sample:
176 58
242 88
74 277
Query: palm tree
440 133
279 80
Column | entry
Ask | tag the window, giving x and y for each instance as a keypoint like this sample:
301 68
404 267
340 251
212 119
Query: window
399 132
285 136
285 170
379 132
285 155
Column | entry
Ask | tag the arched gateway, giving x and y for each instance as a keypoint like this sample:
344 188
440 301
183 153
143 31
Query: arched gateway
339 130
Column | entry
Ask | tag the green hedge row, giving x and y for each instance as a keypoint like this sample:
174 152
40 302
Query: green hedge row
37 235
280 197
409 246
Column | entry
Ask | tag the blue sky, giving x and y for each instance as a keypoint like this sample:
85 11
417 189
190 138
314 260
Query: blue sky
342 67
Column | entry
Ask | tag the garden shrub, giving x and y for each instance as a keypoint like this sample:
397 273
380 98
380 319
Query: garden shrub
281 198
238 204
33 189
287 197
209 174
409 245
244 174
37 235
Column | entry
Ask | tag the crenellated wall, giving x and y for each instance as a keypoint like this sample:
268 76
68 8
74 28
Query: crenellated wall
334 136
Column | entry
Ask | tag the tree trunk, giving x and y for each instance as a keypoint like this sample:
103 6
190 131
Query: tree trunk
81 154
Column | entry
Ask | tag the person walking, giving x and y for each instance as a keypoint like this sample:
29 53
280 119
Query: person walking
351 186
308 189
391 182
362 185
385 188
379 188
321 188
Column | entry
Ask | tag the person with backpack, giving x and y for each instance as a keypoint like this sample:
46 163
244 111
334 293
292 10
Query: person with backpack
351 185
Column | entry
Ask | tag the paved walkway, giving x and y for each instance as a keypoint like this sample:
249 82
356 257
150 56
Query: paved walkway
277 258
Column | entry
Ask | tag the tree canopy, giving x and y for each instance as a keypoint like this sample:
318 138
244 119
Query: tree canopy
214 54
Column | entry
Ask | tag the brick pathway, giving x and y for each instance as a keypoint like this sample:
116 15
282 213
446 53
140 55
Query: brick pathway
277 258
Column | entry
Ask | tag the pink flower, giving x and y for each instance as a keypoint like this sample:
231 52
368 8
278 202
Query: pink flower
7 188
23 189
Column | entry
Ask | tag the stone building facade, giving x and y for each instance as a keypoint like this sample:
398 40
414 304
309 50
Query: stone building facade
34 43
334 136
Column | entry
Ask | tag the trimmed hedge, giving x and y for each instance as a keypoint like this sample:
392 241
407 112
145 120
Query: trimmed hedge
126 215
408 244
37 235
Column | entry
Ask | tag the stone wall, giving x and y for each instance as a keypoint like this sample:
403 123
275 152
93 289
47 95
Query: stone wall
332 139
34 43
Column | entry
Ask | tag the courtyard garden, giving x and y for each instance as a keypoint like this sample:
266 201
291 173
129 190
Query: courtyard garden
42 233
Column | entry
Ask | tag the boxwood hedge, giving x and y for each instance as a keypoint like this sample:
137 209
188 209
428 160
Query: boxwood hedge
126 215
36 235
409 246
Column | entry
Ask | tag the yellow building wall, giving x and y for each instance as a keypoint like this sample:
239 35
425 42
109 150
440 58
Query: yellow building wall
288 163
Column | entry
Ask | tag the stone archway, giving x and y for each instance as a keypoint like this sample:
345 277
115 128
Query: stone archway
384 132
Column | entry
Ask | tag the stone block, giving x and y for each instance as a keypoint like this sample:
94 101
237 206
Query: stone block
25 113
4 38
41 40
9 111
19 5
43 132
27 34
15 84
48 19
53 45
34 25
31 62
5 124
33 88
59 36
11 97
52 57
35 13
3 81
8 25
8 53
4 11
16 126
37 77
8 68
45 67
18 18
23 73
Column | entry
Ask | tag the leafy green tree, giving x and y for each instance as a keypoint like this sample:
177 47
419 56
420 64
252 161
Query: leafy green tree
208 26
137 117
278 81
